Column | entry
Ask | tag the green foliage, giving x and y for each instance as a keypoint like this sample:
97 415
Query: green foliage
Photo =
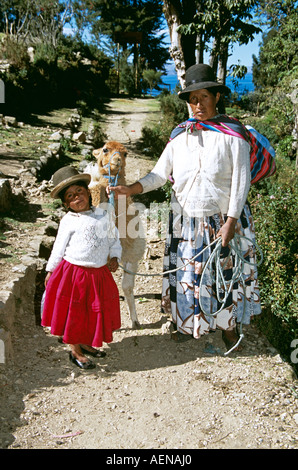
127 76
154 139
221 23
57 78
151 79
135 26
276 228
274 200
274 207
14 53
277 110
279 52
265 127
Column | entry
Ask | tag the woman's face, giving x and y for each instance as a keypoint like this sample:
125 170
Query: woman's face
77 198
203 104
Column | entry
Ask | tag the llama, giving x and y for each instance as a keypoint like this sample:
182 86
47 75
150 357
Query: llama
111 162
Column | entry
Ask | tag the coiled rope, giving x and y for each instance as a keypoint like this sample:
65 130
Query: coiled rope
223 287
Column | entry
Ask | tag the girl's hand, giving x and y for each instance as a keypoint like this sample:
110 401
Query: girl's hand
47 279
227 231
113 265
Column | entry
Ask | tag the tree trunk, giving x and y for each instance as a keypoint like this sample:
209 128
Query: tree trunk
213 60
199 50
174 20
222 65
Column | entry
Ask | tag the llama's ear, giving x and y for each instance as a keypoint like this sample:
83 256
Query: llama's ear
97 153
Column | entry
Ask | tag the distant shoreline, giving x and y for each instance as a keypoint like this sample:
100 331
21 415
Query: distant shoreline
245 85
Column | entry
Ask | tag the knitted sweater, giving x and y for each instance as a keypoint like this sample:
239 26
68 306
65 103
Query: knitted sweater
87 239
211 172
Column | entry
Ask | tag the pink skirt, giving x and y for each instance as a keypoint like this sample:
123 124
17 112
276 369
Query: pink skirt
82 305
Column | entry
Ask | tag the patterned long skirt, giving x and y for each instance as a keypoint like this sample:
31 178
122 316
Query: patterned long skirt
191 298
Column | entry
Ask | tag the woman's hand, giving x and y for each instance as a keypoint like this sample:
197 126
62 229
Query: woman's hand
113 264
227 231
135 188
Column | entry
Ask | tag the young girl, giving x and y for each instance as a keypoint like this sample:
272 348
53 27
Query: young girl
82 299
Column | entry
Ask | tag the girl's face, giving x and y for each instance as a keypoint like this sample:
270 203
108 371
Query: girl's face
203 104
77 198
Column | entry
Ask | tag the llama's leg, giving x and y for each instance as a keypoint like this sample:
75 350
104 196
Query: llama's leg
128 281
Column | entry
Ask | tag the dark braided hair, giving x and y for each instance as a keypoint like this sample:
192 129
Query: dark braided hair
220 104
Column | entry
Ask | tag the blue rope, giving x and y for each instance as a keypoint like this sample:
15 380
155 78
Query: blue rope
113 179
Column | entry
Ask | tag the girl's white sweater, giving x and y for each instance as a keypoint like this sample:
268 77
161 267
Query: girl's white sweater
87 239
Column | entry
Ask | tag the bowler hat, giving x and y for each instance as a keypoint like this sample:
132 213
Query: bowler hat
67 176
200 76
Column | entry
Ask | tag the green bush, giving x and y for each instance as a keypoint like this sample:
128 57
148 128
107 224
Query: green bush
274 207
154 139
57 78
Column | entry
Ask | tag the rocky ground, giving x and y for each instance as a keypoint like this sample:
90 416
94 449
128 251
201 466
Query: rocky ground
148 392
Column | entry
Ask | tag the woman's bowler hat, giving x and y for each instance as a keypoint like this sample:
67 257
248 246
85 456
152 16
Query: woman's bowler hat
200 76
67 176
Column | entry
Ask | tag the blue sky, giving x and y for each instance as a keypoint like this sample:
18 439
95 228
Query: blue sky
244 53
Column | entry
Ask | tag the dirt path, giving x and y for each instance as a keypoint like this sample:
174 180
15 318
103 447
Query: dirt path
148 392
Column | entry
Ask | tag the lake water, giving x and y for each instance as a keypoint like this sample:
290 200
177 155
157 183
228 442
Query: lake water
245 85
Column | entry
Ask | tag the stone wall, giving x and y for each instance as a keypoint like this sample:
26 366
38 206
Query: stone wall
17 298
16 306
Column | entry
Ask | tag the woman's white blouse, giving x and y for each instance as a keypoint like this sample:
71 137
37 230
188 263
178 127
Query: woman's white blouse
86 239
211 172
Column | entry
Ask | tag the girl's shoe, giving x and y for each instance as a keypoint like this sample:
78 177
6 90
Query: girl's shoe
82 365
93 353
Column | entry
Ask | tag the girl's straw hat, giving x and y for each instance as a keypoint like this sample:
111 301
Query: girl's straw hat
67 176
200 76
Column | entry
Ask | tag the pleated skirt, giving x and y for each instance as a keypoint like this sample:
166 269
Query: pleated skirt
189 296
82 305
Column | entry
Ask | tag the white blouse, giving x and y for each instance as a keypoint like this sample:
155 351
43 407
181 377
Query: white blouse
87 239
211 171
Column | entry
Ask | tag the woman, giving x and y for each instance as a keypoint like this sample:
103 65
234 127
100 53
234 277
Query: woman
208 158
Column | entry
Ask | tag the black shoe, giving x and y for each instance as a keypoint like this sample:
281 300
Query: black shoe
229 341
93 353
82 365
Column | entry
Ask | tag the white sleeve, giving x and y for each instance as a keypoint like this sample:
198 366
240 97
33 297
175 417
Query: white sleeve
240 154
59 246
160 173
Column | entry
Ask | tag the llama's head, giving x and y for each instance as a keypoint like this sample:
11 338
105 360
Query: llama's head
111 158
